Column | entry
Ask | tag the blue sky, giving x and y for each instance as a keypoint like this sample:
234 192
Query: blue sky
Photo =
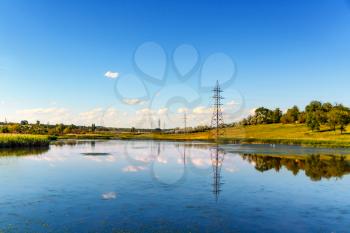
54 55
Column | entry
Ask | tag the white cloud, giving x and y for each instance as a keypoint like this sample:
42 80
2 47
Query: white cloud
91 114
145 111
201 110
162 111
182 110
231 103
133 101
111 74
252 111
53 115
33 111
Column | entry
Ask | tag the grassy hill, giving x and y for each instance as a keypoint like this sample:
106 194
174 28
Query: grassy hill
288 134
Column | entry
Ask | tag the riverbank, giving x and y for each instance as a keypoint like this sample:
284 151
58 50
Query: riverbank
23 140
289 134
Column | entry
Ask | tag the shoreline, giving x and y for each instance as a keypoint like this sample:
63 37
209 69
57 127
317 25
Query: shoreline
226 140
284 134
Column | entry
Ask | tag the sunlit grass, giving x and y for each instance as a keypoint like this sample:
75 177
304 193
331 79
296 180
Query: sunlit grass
272 133
23 140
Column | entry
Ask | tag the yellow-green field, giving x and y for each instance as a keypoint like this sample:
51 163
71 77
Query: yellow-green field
23 140
272 133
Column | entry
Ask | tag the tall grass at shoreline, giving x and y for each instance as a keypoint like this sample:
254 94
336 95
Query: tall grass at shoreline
23 140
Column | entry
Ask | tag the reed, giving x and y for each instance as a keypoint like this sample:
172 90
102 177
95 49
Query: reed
23 140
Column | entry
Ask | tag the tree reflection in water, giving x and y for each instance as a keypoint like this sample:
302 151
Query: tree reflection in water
315 166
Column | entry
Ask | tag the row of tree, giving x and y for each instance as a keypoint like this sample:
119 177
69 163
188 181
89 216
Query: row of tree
314 115
44 129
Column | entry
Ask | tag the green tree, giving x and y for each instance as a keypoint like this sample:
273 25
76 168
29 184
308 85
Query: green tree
59 128
24 122
291 115
312 122
276 115
343 119
302 118
333 118
263 115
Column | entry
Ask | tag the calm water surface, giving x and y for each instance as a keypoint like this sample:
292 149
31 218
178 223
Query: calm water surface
150 186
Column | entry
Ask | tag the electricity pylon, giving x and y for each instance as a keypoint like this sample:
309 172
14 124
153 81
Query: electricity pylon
217 120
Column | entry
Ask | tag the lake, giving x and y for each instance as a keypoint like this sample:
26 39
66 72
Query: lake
159 186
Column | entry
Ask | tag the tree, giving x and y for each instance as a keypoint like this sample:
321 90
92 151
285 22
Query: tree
319 110
338 115
24 122
291 115
313 106
276 115
4 129
327 107
302 118
312 122
333 118
93 127
59 128
343 119
263 115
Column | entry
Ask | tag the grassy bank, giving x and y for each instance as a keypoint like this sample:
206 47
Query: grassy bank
23 140
291 134
297 134
88 136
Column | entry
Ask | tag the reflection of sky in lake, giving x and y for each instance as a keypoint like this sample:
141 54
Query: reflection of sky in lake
148 186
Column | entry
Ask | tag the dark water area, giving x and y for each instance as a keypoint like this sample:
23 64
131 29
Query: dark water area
153 186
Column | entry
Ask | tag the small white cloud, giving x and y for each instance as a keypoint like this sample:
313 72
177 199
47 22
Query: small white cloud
162 111
111 74
182 110
202 110
231 103
109 196
33 111
133 101
145 111
252 111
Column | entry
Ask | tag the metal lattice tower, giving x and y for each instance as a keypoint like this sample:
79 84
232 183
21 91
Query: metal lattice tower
217 120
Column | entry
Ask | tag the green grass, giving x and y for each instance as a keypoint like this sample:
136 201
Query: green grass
23 140
287 134
87 136
296 134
